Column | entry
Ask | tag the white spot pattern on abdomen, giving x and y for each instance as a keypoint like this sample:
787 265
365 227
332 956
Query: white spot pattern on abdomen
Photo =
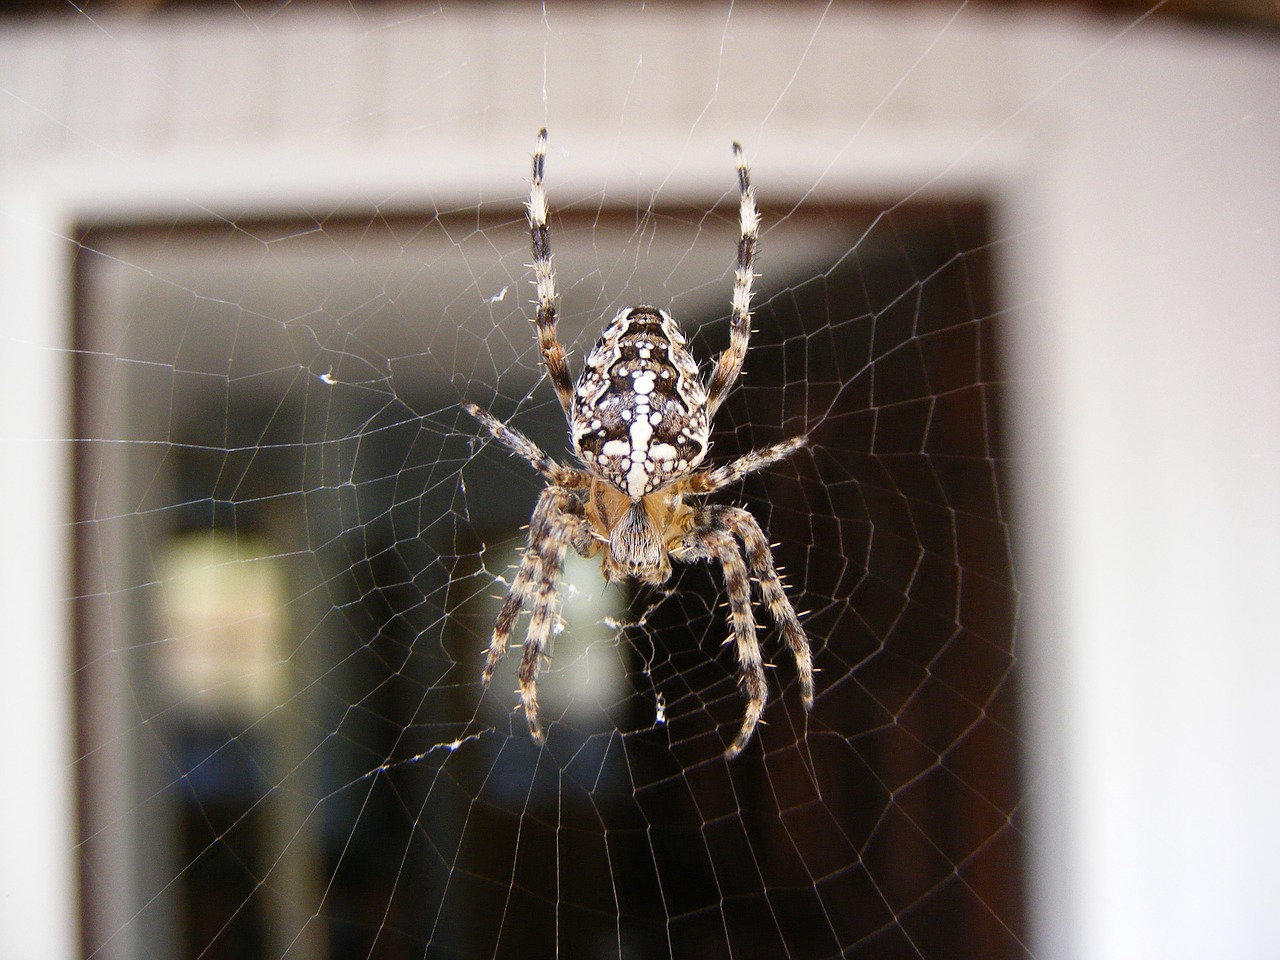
639 410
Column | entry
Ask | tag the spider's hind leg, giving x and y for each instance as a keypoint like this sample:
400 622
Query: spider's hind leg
544 280
729 365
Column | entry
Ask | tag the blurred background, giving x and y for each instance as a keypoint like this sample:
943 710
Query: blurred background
1018 287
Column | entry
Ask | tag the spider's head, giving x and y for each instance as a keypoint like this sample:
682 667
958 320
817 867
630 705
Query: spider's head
636 549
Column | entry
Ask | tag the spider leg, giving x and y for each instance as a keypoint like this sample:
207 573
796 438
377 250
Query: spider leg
526 449
760 560
709 481
729 365
557 522
530 566
544 279
716 543
561 527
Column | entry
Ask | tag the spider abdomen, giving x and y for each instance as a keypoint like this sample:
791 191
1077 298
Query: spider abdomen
639 411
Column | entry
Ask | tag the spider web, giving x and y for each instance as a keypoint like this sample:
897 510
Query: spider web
290 544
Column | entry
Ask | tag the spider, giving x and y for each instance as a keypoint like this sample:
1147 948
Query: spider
640 421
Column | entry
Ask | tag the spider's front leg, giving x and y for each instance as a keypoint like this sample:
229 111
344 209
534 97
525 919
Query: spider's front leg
716 543
760 560
557 522
715 536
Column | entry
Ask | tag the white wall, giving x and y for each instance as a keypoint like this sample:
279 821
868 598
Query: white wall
1134 174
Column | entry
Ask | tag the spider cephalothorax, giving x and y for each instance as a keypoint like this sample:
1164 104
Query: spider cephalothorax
640 420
